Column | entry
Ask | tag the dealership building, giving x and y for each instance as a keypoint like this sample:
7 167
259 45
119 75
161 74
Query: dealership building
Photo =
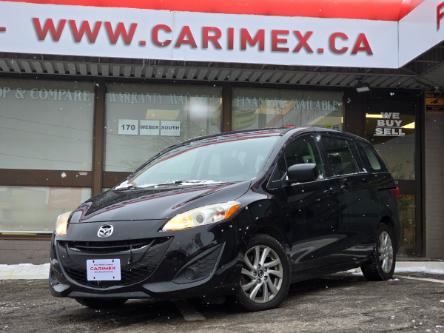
89 90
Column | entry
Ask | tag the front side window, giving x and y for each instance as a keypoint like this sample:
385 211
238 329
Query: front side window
213 159
303 150
339 156
279 172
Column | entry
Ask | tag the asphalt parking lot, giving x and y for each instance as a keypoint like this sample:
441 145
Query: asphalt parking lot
339 303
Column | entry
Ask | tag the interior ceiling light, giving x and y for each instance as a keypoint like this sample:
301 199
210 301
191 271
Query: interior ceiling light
409 125
373 115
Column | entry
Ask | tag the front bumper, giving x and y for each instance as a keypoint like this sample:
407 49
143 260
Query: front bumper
190 263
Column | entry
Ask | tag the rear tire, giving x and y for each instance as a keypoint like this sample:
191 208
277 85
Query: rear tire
265 275
382 264
98 303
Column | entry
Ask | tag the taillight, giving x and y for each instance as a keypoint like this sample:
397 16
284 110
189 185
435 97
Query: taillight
396 192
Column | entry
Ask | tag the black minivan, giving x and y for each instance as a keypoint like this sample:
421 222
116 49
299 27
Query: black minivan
242 213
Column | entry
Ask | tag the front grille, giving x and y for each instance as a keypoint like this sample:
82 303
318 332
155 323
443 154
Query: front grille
107 247
138 259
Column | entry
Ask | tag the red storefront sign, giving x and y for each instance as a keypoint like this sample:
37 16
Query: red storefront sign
385 10
287 32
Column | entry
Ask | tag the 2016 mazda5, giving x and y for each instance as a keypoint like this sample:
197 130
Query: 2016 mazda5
244 213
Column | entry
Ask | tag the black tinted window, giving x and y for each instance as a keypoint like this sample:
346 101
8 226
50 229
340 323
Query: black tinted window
370 157
339 155
303 150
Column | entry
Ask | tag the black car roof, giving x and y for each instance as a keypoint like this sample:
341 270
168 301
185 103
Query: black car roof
256 133
243 134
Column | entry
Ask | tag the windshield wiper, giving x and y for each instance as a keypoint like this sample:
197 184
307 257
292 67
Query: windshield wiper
188 182
130 186
126 185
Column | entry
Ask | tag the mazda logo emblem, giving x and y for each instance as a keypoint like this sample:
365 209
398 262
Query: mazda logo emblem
105 231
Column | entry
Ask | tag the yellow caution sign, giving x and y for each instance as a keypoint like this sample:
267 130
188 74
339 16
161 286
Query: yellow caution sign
434 101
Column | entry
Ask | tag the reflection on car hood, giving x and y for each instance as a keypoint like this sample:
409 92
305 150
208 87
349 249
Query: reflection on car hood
155 203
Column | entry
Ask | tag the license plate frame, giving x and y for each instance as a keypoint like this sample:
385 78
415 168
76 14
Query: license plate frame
103 270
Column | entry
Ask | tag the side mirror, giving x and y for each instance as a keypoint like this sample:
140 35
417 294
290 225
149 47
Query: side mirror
302 173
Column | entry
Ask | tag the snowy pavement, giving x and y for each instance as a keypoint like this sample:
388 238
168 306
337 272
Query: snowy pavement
38 272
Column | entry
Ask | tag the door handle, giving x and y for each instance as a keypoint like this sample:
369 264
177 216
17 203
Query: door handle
344 183
330 190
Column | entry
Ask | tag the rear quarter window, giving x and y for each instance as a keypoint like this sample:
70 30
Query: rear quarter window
370 157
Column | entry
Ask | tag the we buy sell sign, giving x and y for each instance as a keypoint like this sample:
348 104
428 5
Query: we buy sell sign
286 32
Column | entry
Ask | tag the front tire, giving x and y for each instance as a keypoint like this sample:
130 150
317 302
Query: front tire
265 275
95 303
382 264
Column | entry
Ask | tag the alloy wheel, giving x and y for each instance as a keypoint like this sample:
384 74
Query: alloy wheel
262 274
385 251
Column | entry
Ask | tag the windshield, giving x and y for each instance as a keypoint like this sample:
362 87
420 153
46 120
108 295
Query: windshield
217 159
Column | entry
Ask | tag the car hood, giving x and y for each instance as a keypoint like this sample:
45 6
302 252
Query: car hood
155 203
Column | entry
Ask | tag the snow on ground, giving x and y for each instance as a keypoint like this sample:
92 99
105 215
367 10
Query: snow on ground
427 267
41 272
24 271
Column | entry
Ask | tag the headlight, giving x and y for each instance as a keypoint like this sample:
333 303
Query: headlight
62 224
202 215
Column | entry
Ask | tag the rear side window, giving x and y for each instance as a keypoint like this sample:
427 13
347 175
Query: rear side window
370 157
339 155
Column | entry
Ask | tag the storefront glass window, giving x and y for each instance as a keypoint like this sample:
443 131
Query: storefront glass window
46 125
390 127
392 133
35 209
141 120
407 210
264 108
